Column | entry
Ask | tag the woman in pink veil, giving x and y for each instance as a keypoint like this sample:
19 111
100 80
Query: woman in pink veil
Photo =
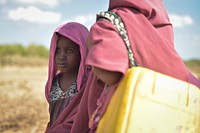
67 75
151 37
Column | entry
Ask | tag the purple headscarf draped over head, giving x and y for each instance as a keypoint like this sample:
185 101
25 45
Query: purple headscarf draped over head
77 33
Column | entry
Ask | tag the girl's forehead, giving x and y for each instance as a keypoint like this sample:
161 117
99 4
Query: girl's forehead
66 42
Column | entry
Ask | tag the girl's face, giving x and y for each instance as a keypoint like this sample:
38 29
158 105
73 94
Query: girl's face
67 55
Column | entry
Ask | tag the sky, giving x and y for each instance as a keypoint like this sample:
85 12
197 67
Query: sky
33 21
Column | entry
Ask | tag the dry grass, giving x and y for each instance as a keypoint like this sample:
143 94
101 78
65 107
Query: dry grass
23 106
18 60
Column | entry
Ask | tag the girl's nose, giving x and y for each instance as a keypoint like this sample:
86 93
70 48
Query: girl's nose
62 57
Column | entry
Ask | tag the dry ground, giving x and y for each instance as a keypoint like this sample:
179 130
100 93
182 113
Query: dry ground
23 107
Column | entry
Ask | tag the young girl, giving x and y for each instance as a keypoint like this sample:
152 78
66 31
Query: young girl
67 75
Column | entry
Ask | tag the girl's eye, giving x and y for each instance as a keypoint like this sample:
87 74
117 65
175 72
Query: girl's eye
69 51
57 50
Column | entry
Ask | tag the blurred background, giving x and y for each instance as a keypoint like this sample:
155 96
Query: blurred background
26 28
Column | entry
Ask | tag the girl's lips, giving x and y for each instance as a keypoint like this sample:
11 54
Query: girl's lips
62 65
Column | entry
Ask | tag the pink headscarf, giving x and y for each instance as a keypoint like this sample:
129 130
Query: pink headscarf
78 34
151 36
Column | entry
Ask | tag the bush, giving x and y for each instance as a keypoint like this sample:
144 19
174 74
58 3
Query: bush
17 54
32 50
37 50
12 50
192 62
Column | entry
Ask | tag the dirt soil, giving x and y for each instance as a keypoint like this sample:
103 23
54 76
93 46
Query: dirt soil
23 106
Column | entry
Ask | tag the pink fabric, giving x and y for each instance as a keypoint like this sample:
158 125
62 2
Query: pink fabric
64 122
151 36
194 80
87 105
78 34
